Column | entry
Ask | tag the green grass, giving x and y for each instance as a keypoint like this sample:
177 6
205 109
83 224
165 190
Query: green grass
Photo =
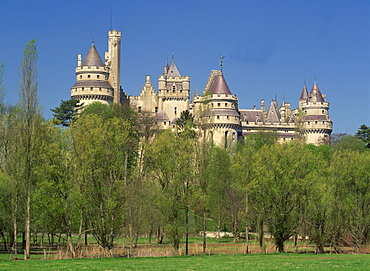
213 262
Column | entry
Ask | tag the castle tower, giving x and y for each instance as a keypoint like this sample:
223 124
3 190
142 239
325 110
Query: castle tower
217 111
113 61
92 83
317 122
173 91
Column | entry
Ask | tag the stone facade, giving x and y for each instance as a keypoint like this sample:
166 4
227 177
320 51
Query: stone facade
215 110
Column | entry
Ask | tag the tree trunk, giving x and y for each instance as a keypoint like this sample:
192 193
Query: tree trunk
204 232
15 242
246 225
187 231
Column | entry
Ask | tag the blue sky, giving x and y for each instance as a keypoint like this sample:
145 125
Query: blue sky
270 47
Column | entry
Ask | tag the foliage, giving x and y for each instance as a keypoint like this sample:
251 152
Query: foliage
363 133
67 112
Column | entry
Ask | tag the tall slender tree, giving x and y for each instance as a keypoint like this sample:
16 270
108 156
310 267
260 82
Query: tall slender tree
29 112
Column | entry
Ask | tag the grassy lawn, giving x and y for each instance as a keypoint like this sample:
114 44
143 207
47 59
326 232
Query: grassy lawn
213 262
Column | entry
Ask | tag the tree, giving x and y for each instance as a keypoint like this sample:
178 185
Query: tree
347 142
2 93
279 187
363 133
30 120
350 216
171 161
102 170
67 112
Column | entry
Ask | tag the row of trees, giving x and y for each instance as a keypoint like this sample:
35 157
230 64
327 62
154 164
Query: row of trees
110 172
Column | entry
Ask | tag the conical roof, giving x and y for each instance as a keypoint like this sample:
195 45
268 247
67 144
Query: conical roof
315 92
92 58
304 94
219 85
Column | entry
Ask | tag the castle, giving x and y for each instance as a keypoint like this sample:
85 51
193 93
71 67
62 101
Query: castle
215 110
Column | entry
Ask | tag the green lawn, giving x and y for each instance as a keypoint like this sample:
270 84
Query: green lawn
213 262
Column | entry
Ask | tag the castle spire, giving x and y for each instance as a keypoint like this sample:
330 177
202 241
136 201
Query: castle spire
304 93
316 93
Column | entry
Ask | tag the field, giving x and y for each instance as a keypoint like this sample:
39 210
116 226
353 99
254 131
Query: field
213 262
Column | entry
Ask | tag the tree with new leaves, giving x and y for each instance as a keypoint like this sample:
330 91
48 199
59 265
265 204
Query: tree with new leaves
171 161
281 175
29 117
102 170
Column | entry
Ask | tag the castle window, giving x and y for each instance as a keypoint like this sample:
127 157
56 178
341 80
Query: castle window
225 104
218 104
218 117
98 76
139 109
80 76
83 88
91 88
164 123
88 76
173 88
323 112
308 123
175 110
100 89
156 109
227 117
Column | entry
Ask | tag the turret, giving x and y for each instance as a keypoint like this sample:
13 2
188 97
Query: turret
317 122
218 111
91 79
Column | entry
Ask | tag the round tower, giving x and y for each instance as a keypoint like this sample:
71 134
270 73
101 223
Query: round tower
317 123
218 113
92 80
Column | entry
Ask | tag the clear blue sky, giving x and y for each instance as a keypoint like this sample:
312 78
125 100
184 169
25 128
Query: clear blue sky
270 47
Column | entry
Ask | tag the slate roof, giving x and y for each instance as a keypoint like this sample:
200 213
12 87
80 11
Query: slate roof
92 83
316 117
173 71
304 94
219 85
273 114
315 92
92 58
250 115
161 116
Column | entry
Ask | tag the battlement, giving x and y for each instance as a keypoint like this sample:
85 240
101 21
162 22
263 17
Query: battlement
114 33
92 69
